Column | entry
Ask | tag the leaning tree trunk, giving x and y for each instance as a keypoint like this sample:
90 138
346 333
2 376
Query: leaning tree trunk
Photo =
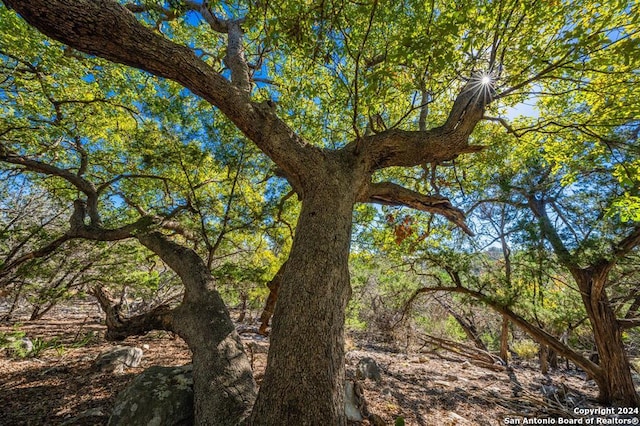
615 383
304 380
504 340
224 388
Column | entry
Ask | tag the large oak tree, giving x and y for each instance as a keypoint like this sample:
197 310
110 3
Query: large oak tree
345 98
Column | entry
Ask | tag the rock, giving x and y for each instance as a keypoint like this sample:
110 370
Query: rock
159 396
352 402
465 365
368 369
26 345
117 358
19 348
82 418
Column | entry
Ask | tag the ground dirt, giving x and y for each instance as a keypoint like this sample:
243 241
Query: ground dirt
426 388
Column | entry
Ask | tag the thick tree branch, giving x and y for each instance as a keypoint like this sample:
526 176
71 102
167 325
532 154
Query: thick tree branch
627 244
390 194
626 323
235 58
11 157
395 147
109 30
120 327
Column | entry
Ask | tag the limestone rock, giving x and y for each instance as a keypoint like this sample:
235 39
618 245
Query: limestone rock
91 416
352 402
159 396
368 369
117 358
26 345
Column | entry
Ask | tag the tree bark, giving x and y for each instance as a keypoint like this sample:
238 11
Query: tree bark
543 356
615 383
504 340
270 304
120 327
613 376
304 380
224 388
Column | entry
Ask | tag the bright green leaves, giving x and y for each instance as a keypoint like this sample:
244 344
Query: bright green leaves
147 145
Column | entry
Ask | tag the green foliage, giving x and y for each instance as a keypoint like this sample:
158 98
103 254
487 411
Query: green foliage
525 349
454 330
152 146
14 343
239 281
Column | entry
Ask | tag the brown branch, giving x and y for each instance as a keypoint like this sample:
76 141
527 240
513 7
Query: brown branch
218 25
626 323
109 30
537 333
35 254
390 194
110 182
630 242
76 180
11 157
120 327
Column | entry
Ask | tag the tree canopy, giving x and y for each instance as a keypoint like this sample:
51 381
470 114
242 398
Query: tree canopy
152 111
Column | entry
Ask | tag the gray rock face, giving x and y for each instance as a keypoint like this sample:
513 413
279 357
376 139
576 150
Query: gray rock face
159 396
26 345
353 402
368 369
116 359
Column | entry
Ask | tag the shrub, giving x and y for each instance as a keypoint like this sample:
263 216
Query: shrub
525 349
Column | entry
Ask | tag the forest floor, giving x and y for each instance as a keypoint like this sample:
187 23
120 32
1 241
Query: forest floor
60 385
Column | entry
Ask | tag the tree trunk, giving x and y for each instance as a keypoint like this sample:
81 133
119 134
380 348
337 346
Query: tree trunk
615 383
504 340
120 327
543 356
304 380
224 388
270 304
613 375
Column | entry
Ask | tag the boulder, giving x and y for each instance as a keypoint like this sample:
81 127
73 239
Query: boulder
26 345
353 402
368 369
117 358
159 396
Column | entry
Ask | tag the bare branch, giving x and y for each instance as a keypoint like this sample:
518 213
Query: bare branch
540 335
105 185
35 254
